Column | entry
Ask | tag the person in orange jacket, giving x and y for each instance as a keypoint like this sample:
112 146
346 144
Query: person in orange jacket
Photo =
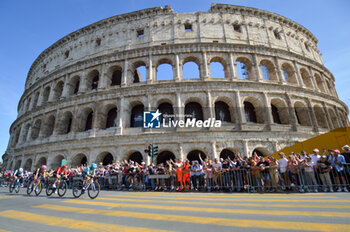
186 175
179 179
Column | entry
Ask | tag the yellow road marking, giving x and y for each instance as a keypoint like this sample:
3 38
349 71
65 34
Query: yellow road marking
215 210
69 223
5 197
231 204
232 199
2 230
261 224
228 196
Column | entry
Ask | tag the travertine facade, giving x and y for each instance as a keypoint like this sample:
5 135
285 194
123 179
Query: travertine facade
77 87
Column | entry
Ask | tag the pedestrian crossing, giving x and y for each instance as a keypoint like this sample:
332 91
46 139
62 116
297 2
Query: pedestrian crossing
122 211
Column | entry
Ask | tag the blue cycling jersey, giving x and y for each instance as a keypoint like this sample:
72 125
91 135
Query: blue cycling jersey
89 171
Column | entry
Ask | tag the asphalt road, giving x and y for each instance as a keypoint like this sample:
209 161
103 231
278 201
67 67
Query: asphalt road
158 211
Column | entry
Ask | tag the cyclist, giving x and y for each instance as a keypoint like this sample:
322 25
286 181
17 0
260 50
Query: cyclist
61 171
39 173
89 172
18 174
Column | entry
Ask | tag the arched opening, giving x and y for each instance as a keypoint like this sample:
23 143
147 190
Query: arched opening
116 78
50 125
165 70
329 88
268 70
36 98
190 69
194 155
136 157
36 129
28 104
88 124
58 90
140 72
111 121
244 68
222 112
25 132
57 161
302 114
289 73
260 152
334 119
79 159
320 116
164 156
73 86
217 70
250 114
226 153
66 123
93 80
87 116
167 112
136 118
18 164
16 138
279 111
28 165
193 110
46 94
306 78
319 83
41 162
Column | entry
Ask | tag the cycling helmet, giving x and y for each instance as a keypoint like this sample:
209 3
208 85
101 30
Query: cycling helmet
21 170
65 166
93 165
43 167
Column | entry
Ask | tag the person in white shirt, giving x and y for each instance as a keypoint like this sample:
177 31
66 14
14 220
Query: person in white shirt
308 164
282 166
315 157
217 168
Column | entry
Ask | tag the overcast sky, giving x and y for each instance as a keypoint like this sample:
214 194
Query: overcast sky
30 26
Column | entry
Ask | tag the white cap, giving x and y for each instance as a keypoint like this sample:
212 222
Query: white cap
345 146
142 162
316 150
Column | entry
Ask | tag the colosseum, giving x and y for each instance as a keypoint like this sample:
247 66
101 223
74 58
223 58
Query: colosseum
85 95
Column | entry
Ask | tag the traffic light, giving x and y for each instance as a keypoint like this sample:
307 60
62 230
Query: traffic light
155 150
152 151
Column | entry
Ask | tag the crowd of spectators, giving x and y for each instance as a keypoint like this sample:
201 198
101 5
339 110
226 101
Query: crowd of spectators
328 170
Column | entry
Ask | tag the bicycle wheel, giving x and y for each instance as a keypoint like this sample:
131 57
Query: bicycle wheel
11 187
94 190
77 189
49 191
17 187
62 188
30 188
38 189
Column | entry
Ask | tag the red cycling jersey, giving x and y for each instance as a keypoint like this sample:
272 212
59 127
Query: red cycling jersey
61 171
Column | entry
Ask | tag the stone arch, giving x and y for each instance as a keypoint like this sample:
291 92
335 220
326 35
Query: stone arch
16 136
195 110
306 78
36 129
289 73
105 158
191 68
218 68
111 116
57 91
49 126
36 99
222 112
115 74
86 118
139 71
254 110
65 125
92 80
330 88
18 164
226 152
56 162
40 162
302 114
167 111
28 103
319 83
194 155
268 70
279 111
73 85
136 157
28 165
79 159
333 118
46 94
25 132
261 151
164 156
320 116
136 116
244 68
164 70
